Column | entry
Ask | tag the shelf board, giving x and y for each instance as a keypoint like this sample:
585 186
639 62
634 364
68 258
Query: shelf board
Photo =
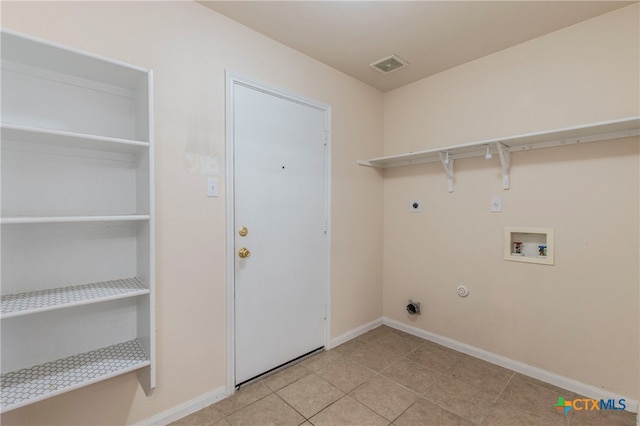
44 54
580 134
60 138
72 219
13 305
29 385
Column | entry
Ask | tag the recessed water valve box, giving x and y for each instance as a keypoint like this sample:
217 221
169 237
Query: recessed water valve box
531 245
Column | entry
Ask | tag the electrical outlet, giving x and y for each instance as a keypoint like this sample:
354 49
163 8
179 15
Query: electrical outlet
415 206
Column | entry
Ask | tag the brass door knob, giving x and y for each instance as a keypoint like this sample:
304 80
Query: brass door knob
244 253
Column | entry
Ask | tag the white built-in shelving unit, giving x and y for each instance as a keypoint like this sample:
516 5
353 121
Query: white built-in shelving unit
77 234
503 147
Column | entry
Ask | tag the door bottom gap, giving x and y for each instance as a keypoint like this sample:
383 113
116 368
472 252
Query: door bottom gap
279 367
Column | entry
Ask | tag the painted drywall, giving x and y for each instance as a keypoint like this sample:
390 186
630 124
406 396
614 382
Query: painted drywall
189 47
580 318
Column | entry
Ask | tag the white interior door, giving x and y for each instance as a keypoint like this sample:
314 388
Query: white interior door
280 197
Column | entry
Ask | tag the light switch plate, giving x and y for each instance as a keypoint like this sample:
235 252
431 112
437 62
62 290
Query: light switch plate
212 187
496 204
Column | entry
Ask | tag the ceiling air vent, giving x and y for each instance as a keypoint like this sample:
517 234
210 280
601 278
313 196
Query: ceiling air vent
389 64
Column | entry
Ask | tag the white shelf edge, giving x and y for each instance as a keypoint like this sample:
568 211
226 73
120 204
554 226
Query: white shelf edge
30 134
92 293
73 50
71 219
70 305
140 362
529 259
593 132
26 39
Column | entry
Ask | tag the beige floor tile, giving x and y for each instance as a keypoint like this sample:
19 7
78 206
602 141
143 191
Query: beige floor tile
347 412
479 362
398 342
412 375
374 357
385 371
435 345
205 417
408 335
345 374
242 398
425 413
310 394
602 417
285 377
435 358
556 389
482 375
460 399
505 414
267 411
532 396
374 334
320 360
385 397
348 347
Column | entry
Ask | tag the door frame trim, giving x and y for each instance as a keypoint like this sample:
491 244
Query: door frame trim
232 79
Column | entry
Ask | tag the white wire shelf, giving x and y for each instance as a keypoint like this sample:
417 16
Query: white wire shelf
29 385
63 297
592 132
580 134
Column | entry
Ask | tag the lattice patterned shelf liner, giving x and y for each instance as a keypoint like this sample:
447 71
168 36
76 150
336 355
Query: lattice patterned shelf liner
33 383
47 299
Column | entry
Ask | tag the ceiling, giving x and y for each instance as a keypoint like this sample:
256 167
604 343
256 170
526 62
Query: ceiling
431 36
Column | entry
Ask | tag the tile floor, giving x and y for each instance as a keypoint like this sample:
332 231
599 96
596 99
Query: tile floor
387 377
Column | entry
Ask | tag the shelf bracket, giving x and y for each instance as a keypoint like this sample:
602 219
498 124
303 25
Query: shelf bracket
505 161
447 163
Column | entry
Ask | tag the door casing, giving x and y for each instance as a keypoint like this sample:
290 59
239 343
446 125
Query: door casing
232 79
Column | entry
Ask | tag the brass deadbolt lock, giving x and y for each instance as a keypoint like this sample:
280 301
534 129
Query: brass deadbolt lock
243 231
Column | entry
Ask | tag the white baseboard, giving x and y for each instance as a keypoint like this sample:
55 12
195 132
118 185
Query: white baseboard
183 410
355 332
520 367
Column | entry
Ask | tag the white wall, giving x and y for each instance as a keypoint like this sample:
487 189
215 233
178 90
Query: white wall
580 318
189 47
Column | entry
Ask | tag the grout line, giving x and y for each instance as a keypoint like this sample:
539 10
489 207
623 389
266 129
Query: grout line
253 402
513 374
315 414
294 409
404 411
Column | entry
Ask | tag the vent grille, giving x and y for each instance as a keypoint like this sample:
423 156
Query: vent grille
389 64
